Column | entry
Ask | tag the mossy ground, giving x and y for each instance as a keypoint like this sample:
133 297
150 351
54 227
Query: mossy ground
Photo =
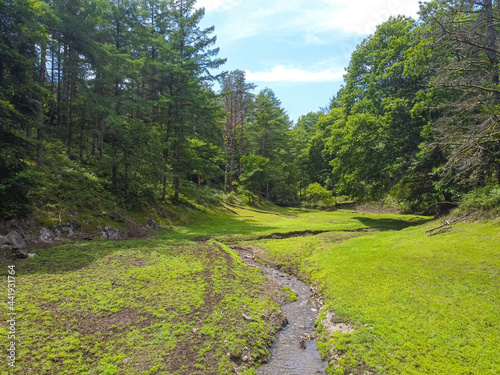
139 307
174 304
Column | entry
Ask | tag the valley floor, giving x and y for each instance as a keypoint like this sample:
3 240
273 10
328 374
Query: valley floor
184 303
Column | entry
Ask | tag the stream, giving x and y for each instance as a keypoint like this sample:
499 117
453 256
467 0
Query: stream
294 352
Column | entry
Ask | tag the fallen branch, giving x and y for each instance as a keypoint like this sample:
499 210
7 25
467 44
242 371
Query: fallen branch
247 318
438 227
441 230
446 224
259 211
233 211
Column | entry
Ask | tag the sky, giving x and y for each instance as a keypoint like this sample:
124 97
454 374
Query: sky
297 48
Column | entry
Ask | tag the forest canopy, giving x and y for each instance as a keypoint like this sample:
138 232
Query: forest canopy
129 96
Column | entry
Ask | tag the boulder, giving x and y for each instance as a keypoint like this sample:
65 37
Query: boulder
45 235
151 224
109 233
63 229
12 245
16 240
69 228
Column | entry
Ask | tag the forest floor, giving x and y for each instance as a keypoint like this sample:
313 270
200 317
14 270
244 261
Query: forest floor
184 303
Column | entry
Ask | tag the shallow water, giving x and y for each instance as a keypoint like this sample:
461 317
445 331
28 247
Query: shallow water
287 356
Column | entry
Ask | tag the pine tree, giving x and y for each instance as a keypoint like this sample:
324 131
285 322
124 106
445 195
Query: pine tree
237 102
191 60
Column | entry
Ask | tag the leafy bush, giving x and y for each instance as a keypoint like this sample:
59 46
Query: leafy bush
284 194
17 179
209 195
232 197
318 196
15 189
485 199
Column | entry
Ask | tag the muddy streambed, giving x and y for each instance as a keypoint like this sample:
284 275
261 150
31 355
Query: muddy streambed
294 351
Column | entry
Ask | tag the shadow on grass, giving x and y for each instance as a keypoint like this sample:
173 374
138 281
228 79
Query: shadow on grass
70 257
216 227
391 224
74 256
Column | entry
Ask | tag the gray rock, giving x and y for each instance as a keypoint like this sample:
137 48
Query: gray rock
69 228
45 235
64 229
15 225
151 224
109 233
16 240
12 245
3 241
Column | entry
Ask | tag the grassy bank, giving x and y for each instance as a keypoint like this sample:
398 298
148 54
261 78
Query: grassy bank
420 304
140 307
179 303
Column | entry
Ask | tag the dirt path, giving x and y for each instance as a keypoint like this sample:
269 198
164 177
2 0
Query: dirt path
294 352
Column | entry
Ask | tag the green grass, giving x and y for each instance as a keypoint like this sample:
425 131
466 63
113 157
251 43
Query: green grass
231 228
137 307
420 304
292 296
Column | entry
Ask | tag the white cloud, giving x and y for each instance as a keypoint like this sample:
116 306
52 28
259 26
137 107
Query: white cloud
312 18
211 5
359 16
288 74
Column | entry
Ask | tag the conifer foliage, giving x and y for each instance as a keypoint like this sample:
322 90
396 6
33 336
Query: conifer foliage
133 93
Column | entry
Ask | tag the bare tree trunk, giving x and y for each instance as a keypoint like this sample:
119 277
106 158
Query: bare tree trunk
41 110
241 139
114 175
178 160
164 174
176 189
498 172
232 143
491 41
198 185
168 133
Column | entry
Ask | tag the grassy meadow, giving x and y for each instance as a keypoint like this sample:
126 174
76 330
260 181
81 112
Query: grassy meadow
420 304
176 303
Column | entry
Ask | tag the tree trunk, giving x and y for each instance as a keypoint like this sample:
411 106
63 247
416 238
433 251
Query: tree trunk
114 175
198 185
63 115
241 142
39 148
498 172
41 109
164 189
176 190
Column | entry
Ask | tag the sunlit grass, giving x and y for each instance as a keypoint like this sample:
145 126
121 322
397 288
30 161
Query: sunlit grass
421 304
137 307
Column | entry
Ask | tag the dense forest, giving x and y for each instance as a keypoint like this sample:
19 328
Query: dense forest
125 93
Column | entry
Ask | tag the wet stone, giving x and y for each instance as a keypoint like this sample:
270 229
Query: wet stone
294 351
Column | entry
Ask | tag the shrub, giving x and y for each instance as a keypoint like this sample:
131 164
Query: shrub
485 199
318 196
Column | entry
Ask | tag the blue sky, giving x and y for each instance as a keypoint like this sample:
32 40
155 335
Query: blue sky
297 48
